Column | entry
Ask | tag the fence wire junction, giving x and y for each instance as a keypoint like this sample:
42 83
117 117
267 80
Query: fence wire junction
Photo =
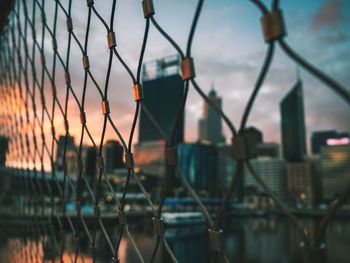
31 75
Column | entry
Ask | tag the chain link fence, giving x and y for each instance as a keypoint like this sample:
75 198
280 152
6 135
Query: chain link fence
37 93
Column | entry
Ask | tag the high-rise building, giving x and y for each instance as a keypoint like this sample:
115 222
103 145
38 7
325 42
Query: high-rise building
3 150
89 155
303 184
198 162
113 156
71 157
268 149
335 168
272 171
226 167
255 137
162 97
210 126
293 125
330 137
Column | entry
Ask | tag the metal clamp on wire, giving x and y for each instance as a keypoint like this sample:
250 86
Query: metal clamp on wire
78 206
138 92
216 239
80 164
244 145
100 162
129 160
171 156
66 125
54 44
75 238
43 17
187 69
97 211
122 218
67 77
93 250
83 117
69 24
158 226
34 34
42 58
111 40
273 26
105 107
89 3
240 147
43 101
53 131
148 8
114 259
64 204
86 63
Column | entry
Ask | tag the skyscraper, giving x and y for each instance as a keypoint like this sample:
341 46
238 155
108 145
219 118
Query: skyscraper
255 138
89 155
70 152
210 127
113 154
302 182
335 169
3 149
198 164
162 97
324 138
272 171
293 124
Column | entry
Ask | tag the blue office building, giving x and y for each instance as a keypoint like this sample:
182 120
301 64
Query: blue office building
198 164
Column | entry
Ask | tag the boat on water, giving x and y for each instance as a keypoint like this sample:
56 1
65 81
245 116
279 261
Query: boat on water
183 218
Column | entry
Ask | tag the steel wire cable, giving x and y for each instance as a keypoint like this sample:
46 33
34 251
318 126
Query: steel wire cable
337 88
29 144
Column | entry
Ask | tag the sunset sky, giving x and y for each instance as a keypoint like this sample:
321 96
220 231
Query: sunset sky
228 49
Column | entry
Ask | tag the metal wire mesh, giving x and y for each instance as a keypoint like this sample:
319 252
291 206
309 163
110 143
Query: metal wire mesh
38 91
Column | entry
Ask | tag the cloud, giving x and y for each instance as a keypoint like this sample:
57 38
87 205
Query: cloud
328 14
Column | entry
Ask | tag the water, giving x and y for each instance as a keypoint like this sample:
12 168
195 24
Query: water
246 240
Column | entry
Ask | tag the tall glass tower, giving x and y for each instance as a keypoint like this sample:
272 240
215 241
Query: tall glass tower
163 95
293 124
210 126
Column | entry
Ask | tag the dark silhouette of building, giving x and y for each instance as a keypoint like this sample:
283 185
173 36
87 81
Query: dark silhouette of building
268 149
113 156
255 137
5 6
293 124
320 138
3 150
210 126
89 155
162 97
70 148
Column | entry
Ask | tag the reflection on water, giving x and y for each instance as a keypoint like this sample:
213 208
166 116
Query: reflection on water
246 240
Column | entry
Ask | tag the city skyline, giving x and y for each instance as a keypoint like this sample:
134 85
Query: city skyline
217 60
106 131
